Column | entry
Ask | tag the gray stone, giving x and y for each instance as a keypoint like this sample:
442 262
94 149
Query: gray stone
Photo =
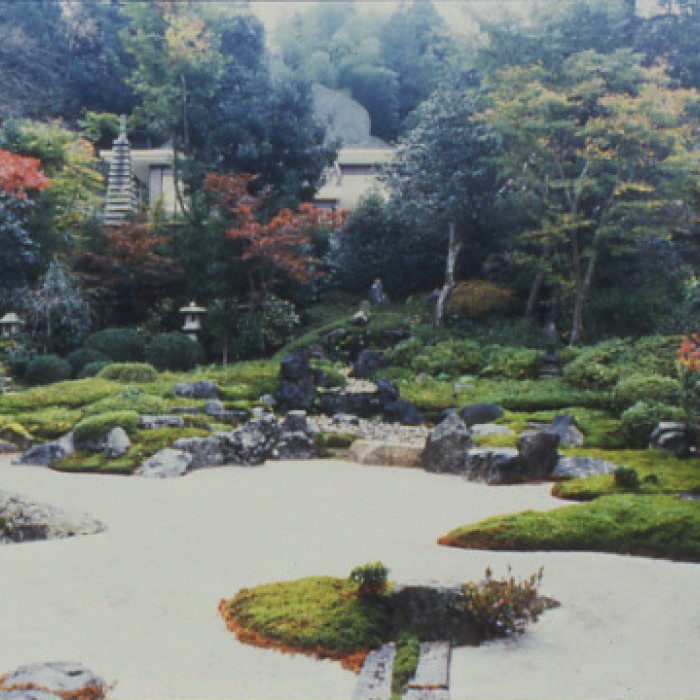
346 419
388 391
117 443
358 403
297 386
268 400
49 452
403 412
581 467
672 437
491 429
7 448
205 451
331 339
166 464
359 318
29 695
446 446
295 421
565 427
214 407
493 465
163 421
386 453
480 413
60 677
433 671
252 443
367 364
374 679
295 445
202 389
538 452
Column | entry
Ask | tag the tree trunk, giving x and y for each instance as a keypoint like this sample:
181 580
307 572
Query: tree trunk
224 351
534 296
583 288
454 246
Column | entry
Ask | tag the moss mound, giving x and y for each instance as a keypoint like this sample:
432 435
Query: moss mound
654 526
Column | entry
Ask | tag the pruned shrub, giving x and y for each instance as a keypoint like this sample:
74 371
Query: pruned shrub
47 369
405 351
92 369
639 420
641 387
119 344
503 607
129 372
85 356
370 578
626 478
478 298
597 367
512 363
174 351
97 426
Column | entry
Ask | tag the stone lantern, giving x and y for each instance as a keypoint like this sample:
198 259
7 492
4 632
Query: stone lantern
10 325
193 319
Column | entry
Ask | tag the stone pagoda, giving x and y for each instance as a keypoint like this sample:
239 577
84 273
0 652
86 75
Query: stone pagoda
121 196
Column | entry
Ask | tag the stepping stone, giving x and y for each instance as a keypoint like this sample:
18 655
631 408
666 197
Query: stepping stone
386 454
432 678
374 681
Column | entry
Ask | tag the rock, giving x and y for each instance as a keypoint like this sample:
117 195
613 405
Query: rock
205 451
163 421
444 413
446 446
672 437
388 391
377 295
166 464
253 442
295 421
389 454
403 412
493 465
367 364
117 443
480 413
359 403
56 677
49 452
332 339
374 679
359 318
581 467
32 694
7 448
294 366
28 521
565 427
214 407
297 389
268 400
202 389
295 445
491 429
538 452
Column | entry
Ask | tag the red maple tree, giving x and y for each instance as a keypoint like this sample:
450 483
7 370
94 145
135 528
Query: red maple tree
19 174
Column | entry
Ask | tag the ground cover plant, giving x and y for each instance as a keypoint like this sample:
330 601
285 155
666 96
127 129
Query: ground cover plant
646 525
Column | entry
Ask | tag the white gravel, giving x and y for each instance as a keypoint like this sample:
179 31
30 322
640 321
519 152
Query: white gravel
137 604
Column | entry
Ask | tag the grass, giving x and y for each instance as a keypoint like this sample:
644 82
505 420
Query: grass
318 615
405 664
70 394
655 526
663 472
46 423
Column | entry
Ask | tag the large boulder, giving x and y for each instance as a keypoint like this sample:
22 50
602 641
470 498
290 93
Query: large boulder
117 443
473 414
166 464
359 403
388 391
214 407
367 364
493 465
403 412
49 452
205 451
672 437
166 420
7 448
252 443
565 427
295 440
57 678
202 389
388 454
446 446
297 386
581 467
538 452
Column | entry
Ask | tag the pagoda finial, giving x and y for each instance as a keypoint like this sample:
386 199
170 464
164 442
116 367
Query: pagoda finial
121 197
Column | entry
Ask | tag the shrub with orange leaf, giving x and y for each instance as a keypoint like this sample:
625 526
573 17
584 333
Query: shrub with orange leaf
19 174
689 375
478 298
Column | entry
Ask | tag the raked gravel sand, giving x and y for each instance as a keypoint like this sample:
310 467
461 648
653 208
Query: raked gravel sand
138 603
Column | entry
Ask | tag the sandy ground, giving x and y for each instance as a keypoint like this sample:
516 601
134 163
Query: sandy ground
138 603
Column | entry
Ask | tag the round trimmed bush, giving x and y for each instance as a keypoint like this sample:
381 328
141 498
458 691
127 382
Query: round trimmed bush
119 344
174 351
92 369
129 372
84 356
47 369
641 387
639 420
626 478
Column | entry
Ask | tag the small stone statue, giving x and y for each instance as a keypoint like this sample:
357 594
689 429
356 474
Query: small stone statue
549 362
377 294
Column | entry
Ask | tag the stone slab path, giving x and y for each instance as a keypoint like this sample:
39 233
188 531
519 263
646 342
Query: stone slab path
137 604
374 680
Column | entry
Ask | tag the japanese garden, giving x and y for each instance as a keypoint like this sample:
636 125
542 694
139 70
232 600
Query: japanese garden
349 350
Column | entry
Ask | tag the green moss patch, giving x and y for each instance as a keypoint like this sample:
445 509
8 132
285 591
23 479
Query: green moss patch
71 394
46 423
656 526
97 426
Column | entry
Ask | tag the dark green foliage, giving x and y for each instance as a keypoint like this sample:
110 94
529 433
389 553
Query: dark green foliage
639 420
645 387
92 369
371 578
83 356
99 425
127 372
47 369
119 344
626 478
174 351
18 357
19 252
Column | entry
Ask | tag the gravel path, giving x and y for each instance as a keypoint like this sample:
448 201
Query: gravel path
138 603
